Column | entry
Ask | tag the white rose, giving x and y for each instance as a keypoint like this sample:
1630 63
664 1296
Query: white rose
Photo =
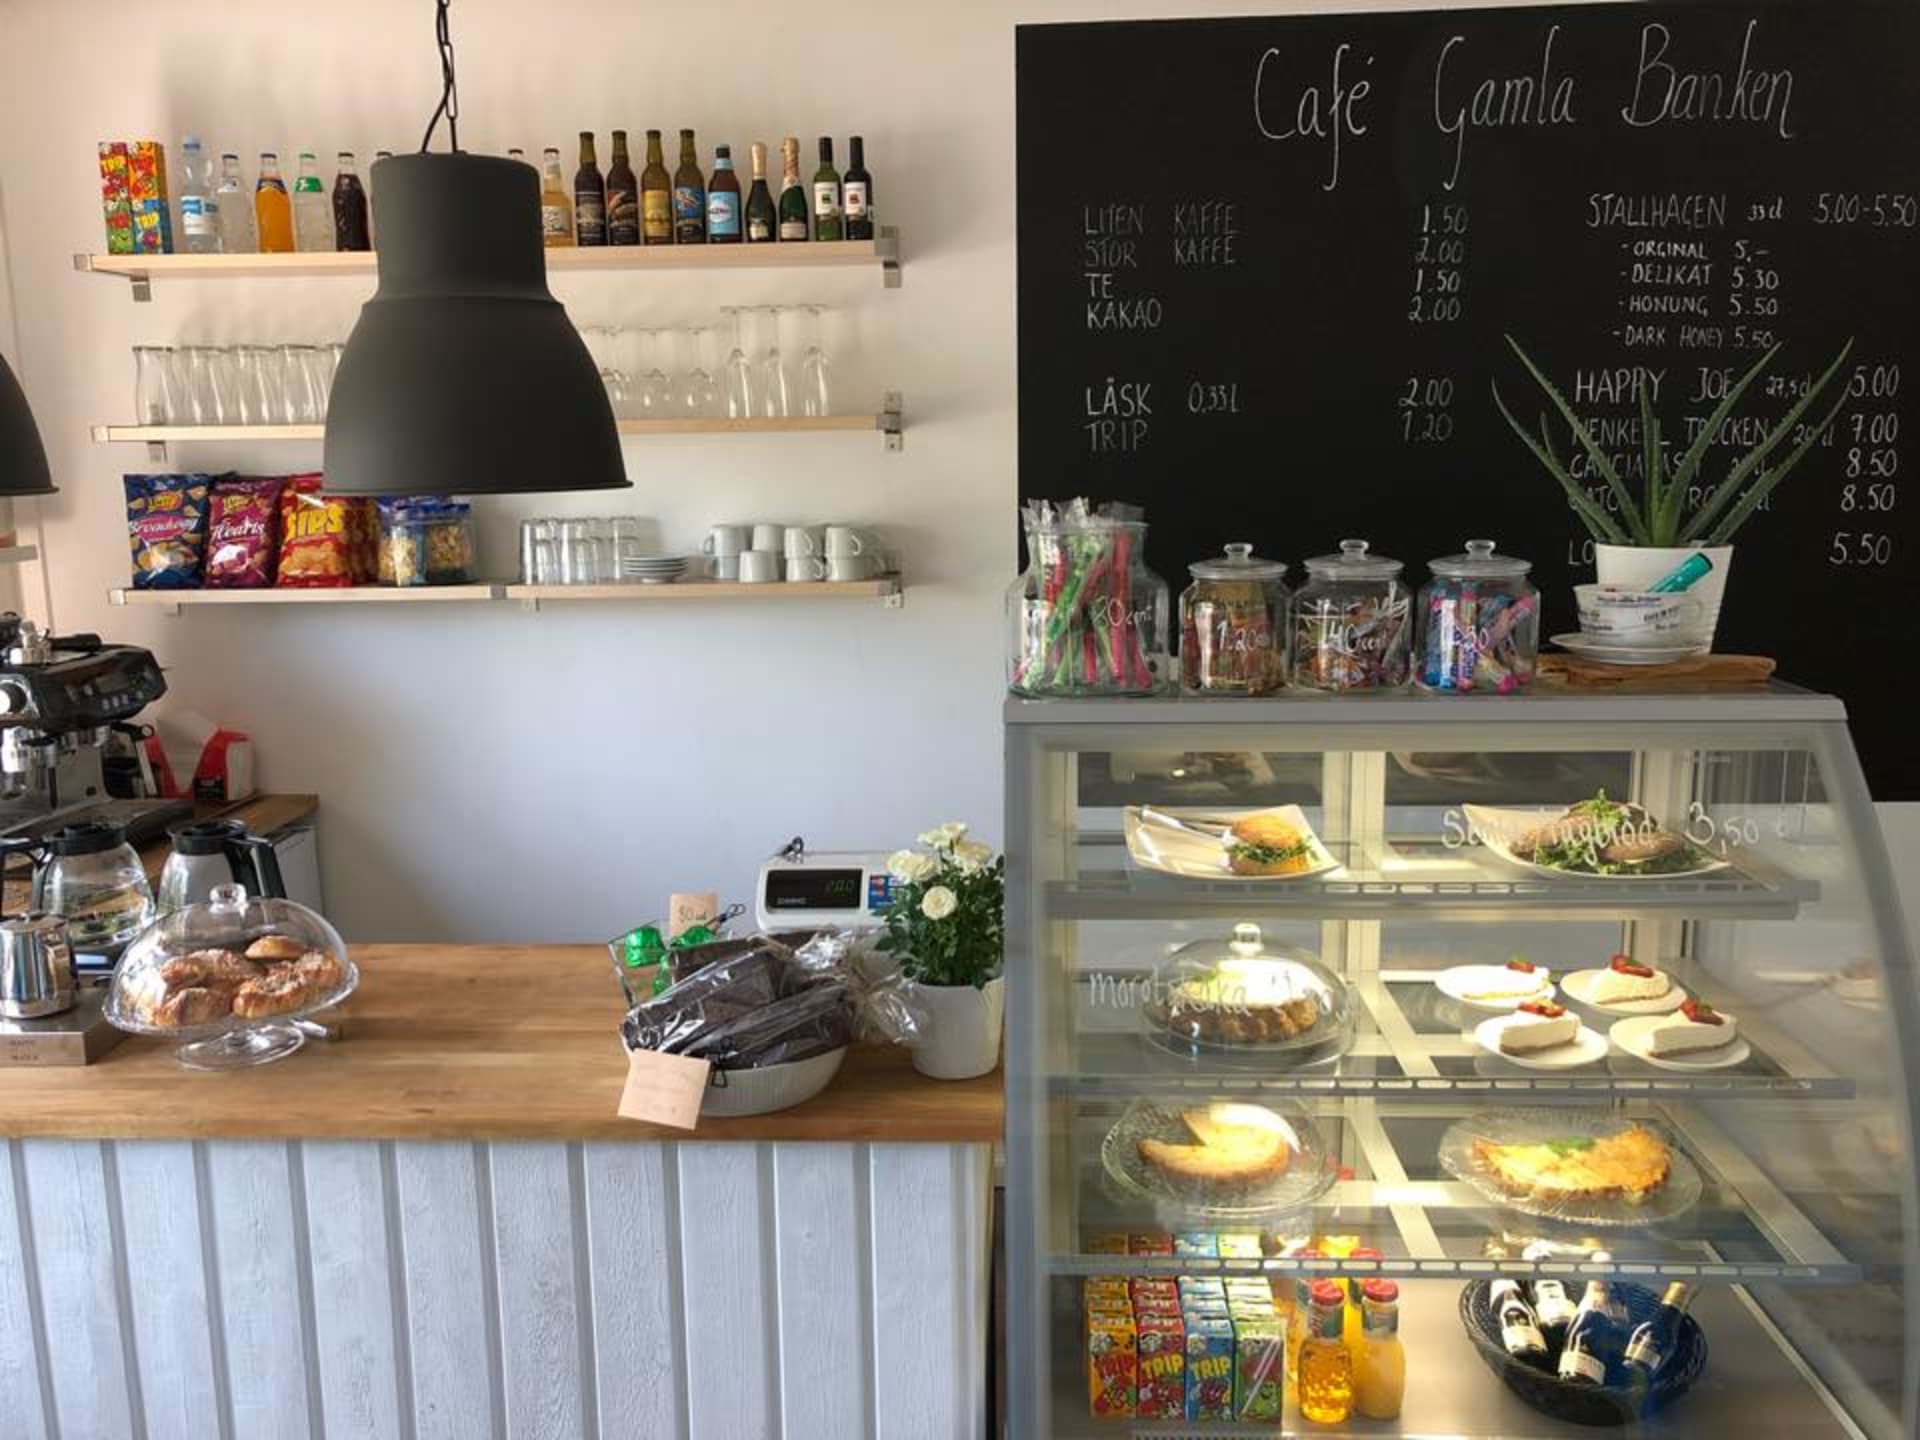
910 867
972 855
945 837
938 903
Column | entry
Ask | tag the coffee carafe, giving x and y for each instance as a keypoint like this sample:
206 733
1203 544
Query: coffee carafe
207 853
87 874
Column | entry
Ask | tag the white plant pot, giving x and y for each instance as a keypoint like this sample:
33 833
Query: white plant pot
1635 567
961 1038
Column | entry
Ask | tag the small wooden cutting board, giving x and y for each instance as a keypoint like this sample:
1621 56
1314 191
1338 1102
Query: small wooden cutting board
1574 672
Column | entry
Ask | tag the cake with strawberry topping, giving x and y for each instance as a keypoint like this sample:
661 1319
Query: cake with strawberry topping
1694 1027
1538 1025
1625 980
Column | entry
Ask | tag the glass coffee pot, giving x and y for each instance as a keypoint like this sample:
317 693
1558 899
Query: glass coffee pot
88 875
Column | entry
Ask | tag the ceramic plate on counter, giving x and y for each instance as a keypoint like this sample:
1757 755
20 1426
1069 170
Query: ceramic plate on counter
1631 1037
1481 986
1586 1046
1609 652
1499 829
1579 986
1193 843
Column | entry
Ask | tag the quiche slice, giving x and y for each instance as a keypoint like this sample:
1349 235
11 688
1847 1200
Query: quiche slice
1235 1144
1630 1165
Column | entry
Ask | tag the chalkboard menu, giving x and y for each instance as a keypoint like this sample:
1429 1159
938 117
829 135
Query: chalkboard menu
1266 268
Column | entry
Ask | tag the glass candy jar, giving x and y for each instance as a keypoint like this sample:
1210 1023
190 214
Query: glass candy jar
234 978
1351 625
1088 617
1479 624
1233 625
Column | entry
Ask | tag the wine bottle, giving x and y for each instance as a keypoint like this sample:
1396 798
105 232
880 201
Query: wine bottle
1591 1355
793 197
623 196
763 219
656 196
589 196
1519 1327
1555 1310
1653 1340
689 196
826 194
856 191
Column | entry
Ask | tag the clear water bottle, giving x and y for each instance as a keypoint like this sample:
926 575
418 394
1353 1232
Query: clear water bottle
199 206
236 208
312 210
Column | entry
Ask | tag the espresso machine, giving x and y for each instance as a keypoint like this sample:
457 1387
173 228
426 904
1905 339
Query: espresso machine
61 697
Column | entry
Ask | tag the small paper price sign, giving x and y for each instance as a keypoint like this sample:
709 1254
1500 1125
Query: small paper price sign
664 1089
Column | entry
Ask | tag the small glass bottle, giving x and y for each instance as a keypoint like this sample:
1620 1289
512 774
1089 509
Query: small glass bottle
273 207
1298 1318
1326 1366
312 211
1653 1341
1479 624
1233 625
1350 625
1380 1381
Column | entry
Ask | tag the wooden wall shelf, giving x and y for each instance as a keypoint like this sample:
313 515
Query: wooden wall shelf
18 554
888 589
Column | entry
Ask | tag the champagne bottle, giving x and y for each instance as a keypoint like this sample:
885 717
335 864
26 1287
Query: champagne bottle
589 196
856 191
793 197
723 199
1654 1340
763 220
1591 1355
656 196
623 196
1519 1327
826 194
689 196
1555 1310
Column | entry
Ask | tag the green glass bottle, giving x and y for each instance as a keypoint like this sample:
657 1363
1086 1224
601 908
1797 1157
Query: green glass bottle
827 222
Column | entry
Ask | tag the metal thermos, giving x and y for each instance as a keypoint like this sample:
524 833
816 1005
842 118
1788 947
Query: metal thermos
36 967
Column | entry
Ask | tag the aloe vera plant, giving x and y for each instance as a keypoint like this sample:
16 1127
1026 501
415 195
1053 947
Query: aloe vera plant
1659 517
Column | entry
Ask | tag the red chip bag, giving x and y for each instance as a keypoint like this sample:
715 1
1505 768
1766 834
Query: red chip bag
315 549
243 532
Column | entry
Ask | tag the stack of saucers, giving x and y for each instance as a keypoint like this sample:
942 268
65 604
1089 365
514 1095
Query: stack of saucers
1620 626
653 569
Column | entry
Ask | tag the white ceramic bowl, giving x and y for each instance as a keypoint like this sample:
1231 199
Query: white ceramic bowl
771 1087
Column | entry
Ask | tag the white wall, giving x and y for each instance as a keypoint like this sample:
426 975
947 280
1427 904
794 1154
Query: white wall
488 774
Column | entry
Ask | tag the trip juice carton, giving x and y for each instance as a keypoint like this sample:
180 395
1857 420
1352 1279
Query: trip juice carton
1162 1376
1150 1242
1195 1244
1209 1367
1238 1245
1107 1242
115 202
147 194
1112 1361
1259 1367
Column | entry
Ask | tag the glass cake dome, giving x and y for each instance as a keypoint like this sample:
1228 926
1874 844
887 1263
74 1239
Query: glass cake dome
1241 994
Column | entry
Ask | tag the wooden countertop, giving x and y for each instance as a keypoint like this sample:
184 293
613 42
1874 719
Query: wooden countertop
507 1042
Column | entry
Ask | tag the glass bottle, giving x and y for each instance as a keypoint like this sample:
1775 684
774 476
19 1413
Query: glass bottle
350 230
623 196
1299 1317
589 196
556 206
689 196
1653 1341
236 208
656 196
856 191
1520 1333
1350 627
826 195
1088 617
763 219
1479 624
723 199
199 201
1555 1310
794 223
1233 625
1326 1365
272 207
1351 1325
1591 1355
1380 1379
312 214
373 220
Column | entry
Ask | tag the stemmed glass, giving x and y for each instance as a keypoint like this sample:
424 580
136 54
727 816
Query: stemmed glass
815 393
699 394
652 389
738 371
774 403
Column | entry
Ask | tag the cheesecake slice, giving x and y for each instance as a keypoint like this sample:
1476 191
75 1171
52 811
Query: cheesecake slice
1625 981
1538 1025
1696 1026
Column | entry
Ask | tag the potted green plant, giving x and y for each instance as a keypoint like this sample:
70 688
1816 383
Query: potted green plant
946 925
1637 541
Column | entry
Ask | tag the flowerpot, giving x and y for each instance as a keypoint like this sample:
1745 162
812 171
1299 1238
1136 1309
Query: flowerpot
961 1037
1635 567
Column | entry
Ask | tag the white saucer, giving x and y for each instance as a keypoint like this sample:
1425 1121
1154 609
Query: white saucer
1455 983
1631 1036
1576 985
1611 652
1586 1046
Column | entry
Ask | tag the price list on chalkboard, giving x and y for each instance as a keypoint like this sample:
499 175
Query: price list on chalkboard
1272 270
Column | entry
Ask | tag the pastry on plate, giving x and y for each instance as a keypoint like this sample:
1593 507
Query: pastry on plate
1630 1165
276 947
1538 1025
1694 1027
1625 981
1268 845
1233 1144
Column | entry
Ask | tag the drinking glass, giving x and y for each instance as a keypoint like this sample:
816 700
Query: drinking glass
815 392
623 533
580 554
652 391
194 367
153 400
618 397
303 400
599 342
737 371
698 394
774 400
257 380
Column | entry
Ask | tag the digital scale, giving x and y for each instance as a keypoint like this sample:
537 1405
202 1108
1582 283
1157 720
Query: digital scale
827 889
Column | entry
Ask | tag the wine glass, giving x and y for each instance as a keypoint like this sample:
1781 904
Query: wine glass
774 402
699 394
652 390
815 392
738 371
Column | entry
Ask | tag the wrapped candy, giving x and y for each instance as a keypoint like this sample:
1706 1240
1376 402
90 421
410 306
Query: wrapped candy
1088 617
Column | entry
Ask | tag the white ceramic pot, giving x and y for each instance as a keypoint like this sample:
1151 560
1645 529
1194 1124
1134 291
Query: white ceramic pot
1634 567
962 1034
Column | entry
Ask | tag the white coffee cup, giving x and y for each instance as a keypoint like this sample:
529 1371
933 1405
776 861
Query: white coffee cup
1637 617
727 540
769 537
806 540
759 567
848 567
726 567
803 568
845 540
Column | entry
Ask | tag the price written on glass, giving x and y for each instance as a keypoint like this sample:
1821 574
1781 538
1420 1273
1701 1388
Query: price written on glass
1723 834
1439 265
1426 416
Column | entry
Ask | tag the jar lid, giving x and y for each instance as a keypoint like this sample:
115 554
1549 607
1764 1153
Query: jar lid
1238 563
1354 563
1479 561
89 837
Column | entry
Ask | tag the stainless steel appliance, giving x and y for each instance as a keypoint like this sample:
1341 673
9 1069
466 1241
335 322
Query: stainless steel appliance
36 967
60 698
207 853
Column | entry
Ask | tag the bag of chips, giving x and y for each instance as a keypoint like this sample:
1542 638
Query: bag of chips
243 532
315 549
167 529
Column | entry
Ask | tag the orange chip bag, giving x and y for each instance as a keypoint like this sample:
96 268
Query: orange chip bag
315 543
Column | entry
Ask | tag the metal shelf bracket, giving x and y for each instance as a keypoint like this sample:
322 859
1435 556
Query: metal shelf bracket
139 281
888 247
891 420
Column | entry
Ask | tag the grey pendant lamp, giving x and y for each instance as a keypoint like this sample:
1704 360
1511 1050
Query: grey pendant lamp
23 459
464 375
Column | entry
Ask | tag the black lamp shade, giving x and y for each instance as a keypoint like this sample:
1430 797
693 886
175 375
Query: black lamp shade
464 375
23 459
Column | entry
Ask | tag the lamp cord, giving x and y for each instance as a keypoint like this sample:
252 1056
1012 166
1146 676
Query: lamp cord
449 105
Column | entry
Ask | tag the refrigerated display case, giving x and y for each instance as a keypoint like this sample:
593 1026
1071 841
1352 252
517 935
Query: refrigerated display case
1783 1182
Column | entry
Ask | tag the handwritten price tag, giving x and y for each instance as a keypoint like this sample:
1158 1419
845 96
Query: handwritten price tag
664 1089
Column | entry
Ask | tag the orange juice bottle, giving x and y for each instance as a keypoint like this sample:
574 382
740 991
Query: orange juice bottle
1350 1324
272 207
1326 1369
1380 1382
